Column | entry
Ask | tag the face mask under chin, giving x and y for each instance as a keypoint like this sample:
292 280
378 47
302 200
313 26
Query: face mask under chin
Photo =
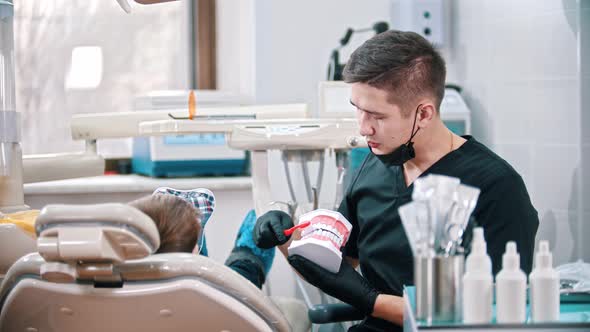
398 156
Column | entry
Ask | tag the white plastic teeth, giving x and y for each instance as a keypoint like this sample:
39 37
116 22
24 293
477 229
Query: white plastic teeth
323 231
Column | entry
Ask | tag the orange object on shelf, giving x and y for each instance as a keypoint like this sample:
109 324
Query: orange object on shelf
192 105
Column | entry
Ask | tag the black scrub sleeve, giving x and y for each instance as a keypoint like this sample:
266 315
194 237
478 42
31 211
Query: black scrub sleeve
348 209
351 247
508 215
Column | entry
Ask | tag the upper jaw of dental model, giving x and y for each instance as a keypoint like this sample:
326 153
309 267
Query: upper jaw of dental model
326 225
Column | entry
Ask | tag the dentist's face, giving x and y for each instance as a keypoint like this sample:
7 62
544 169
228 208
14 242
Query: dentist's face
380 121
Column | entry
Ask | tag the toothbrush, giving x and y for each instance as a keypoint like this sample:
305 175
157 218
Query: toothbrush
290 231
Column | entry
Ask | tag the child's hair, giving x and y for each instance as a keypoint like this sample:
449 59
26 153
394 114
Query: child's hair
178 221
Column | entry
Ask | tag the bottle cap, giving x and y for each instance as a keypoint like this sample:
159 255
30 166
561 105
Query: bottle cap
478 259
544 258
478 245
511 258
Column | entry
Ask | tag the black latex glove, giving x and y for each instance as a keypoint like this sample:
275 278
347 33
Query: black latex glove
346 285
268 231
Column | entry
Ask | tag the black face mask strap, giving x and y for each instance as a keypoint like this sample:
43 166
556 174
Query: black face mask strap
414 125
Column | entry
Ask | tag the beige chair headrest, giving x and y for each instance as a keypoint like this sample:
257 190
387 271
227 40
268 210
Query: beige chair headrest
99 233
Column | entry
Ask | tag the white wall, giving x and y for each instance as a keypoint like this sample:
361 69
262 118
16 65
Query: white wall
235 28
520 63
294 40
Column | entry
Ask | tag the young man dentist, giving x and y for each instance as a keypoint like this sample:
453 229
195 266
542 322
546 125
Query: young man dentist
398 82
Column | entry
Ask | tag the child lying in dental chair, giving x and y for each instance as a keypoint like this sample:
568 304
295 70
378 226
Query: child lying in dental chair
181 217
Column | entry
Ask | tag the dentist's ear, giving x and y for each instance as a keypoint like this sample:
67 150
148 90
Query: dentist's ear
425 114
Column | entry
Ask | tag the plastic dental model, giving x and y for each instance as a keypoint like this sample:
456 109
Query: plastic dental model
321 241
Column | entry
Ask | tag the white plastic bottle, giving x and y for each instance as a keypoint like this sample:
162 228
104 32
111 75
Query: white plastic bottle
511 288
477 282
544 282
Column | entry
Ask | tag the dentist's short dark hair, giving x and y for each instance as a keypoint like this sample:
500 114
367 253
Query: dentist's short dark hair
403 63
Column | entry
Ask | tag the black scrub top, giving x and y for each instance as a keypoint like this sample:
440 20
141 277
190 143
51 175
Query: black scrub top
378 238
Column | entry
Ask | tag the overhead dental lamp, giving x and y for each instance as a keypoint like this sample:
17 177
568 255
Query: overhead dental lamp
335 67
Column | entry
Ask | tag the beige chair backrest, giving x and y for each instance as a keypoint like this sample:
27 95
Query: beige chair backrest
14 243
89 276
107 233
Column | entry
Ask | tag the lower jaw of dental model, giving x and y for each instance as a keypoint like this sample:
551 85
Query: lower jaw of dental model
321 241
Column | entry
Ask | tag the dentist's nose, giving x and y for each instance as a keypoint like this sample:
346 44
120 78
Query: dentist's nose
366 129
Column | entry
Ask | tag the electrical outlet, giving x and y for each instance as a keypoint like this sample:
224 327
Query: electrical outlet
426 17
429 19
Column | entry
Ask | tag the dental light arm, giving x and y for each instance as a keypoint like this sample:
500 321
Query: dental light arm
91 127
335 67
59 166
208 120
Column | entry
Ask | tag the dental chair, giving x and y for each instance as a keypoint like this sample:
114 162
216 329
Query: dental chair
94 271
14 243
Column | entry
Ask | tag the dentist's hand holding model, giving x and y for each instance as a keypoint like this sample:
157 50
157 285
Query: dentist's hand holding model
270 232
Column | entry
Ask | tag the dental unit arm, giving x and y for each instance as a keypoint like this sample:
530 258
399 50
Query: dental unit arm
255 128
303 139
92 127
